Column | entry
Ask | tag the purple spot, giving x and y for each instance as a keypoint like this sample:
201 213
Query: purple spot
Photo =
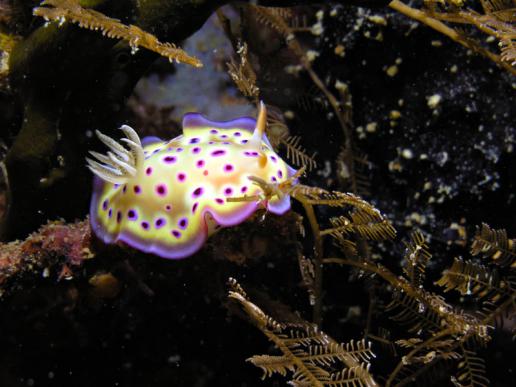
183 222
160 222
254 154
214 131
211 143
251 154
228 168
110 212
148 171
118 216
181 177
237 134
273 178
145 225
156 150
218 152
131 215
168 207
124 190
194 207
244 141
243 189
104 205
219 201
194 140
161 189
179 150
200 163
137 189
196 150
273 158
197 192
115 186
224 136
176 233
280 174
228 191
226 143
169 159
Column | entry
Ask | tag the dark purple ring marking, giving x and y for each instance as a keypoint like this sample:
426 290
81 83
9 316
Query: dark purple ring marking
197 192
183 222
169 159
160 222
161 189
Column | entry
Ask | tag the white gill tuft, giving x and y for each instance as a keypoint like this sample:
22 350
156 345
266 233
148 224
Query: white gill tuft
119 164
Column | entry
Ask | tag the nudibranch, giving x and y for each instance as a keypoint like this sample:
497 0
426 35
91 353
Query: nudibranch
168 197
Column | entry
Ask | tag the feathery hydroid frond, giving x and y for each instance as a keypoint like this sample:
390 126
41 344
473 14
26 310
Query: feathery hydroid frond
494 244
417 257
62 11
312 357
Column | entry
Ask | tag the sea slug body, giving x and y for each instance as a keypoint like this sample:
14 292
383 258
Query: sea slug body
168 197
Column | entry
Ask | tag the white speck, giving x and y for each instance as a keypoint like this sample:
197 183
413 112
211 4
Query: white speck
433 101
317 29
407 153
311 55
371 127
174 359
326 172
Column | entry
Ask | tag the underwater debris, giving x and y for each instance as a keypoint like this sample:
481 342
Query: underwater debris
62 11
